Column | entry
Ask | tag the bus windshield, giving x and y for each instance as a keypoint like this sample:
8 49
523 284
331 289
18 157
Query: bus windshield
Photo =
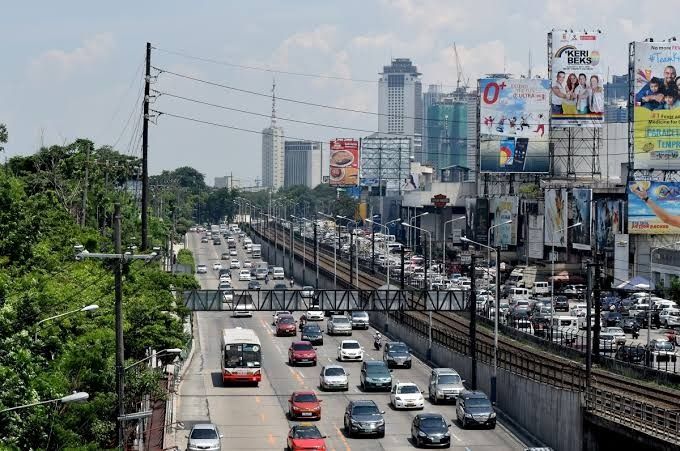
242 356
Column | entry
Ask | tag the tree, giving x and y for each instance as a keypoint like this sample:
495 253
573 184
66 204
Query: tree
3 136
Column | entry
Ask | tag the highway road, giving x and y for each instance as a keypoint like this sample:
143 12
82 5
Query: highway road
254 418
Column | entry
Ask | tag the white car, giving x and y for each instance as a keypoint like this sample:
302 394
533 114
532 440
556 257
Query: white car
333 377
233 253
228 295
244 275
406 395
350 350
235 264
217 266
247 264
314 315
277 314
201 269
225 278
244 310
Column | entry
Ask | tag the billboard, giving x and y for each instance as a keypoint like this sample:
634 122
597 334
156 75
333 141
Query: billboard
582 206
386 160
535 239
654 208
656 113
555 217
344 162
514 125
504 208
621 258
577 93
608 222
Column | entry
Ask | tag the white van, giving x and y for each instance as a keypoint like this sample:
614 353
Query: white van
278 273
517 293
541 288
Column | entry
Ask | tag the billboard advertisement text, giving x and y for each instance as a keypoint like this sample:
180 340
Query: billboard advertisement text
608 223
555 217
577 94
504 209
654 208
344 162
582 206
656 113
514 125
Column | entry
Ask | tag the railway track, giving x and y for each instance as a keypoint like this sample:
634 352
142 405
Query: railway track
512 355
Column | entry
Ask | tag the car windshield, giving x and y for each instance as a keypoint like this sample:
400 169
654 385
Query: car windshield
340 320
449 379
365 410
307 288
664 345
408 389
398 348
432 423
302 347
287 320
335 372
314 329
351 345
307 432
359 314
477 402
379 371
203 434
305 397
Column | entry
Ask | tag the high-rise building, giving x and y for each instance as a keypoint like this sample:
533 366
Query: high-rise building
433 95
447 133
302 163
400 102
273 151
616 99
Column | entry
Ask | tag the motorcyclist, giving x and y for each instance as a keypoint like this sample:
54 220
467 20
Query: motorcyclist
303 322
377 338
292 282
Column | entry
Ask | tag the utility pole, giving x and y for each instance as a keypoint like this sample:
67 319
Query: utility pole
473 324
145 152
120 350
596 300
316 257
83 218
402 251
589 338
351 258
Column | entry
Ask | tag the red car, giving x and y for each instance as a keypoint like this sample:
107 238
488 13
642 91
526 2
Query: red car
303 437
301 352
285 325
304 404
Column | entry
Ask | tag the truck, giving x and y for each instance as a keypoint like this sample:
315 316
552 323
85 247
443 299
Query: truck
257 250
214 231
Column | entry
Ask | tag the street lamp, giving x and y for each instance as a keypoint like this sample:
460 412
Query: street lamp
174 351
335 250
488 252
74 397
87 308
387 251
413 220
494 371
429 239
444 241
552 279
649 307
351 239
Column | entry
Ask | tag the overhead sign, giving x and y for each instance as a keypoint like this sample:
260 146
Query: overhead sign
344 162
654 208
440 200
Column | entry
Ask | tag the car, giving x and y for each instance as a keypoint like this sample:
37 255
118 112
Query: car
204 239
360 319
312 333
247 264
304 404
244 275
364 417
216 266
307 292
204 436
244 309
376 375
224 285
301 352
631 354
619 334
280 286
350 350
430 429
285 325
561 304
201 269
670 317
474 409
314 315
217 241
278 273
629 325
235 264
227 295
224 256
233 253
278 313
225 278
445 384
611 319
261 273
397 353
333 377
254 285
303 437
338 324
406 395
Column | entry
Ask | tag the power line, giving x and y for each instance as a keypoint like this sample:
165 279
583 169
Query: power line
132 112
122 98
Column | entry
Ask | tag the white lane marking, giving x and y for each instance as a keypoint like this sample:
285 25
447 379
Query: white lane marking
456 437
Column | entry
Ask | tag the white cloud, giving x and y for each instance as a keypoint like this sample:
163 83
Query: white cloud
63 63
373 40
435 14
321 39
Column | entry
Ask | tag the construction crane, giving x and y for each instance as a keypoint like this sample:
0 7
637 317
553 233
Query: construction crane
460 77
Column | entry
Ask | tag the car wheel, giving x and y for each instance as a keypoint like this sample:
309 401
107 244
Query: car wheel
381 435
348 431
363 386
290 361
408 365
463 423
321 344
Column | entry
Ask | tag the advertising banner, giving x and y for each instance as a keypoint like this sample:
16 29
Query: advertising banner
535 244
656 113
344 162
470 215
577 93
514 125
621 257
654 208
608 223
504 209
482 220
582 205
555 217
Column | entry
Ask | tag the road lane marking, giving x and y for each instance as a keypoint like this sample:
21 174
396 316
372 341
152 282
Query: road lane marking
262 417
271 439
455 436
342 438
257 400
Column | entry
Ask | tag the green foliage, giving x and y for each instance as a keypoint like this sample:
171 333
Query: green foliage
185 257
3 136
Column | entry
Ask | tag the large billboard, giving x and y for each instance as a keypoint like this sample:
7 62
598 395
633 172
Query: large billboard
386 160
514 125
344 162
555 217
608 222
582 213
577 94
656 113
535 241
504 208
653 208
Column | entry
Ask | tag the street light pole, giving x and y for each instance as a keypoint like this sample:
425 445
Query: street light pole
74 397
413 220
87 308
335 251
450 221
429 239
488 251
552 279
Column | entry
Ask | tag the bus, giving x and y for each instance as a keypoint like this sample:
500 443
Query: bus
241 356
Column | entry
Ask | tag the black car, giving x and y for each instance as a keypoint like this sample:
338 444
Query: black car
612 319
430 429
364 417
375 374
312 333
475 409
225 256
629 325
280 286
631 354
254 285
226 271
561 304
641 318
397 353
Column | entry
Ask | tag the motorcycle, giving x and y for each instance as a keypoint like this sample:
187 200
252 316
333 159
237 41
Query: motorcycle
377 343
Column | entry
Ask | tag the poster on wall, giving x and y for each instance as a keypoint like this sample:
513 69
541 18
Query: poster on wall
504 208
608 222
582 206
577 93
514 125
470 214
535 244
656 113
482 220
654 208
344 162
555 217
621 257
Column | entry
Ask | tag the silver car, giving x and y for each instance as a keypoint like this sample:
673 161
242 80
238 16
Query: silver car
333 377
339 324
445 385
360 320
204 436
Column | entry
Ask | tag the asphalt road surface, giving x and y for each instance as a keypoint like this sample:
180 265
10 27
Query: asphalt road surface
254 418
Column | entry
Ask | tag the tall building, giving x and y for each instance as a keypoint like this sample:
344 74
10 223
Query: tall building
302 163
616 99
433 95
400 102
273 151
447 133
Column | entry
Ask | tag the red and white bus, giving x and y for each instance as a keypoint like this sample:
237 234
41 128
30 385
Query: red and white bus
241 356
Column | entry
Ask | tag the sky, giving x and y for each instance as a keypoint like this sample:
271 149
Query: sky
75 69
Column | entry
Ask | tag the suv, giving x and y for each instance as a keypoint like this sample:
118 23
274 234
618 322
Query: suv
375 374
445 384
397 353
359 320
204 436
475 409
561 304
338 324
364 417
